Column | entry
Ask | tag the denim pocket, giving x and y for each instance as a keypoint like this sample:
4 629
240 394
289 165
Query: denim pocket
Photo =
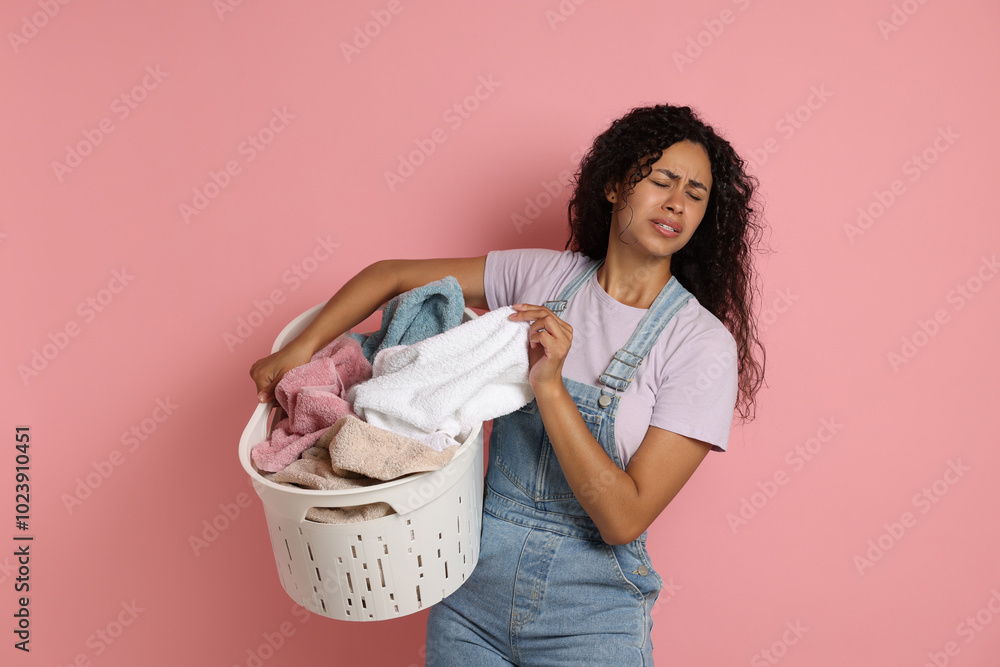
515 444
551 482
638 575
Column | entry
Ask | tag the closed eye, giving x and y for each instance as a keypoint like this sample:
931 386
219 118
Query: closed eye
667 185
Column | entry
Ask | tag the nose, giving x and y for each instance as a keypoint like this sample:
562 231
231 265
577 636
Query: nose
674 200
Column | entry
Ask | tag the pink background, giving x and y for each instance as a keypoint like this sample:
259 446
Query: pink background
840 298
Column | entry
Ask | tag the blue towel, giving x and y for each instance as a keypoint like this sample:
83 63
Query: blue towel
415 315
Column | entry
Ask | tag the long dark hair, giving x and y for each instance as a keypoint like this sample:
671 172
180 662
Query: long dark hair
716 264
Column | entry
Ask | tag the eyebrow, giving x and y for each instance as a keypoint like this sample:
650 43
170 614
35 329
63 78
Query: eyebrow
674 177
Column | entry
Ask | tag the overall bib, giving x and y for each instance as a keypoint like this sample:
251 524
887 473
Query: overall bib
547 589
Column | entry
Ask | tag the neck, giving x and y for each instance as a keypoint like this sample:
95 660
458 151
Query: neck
631 278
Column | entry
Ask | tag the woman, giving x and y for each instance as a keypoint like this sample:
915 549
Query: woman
641 346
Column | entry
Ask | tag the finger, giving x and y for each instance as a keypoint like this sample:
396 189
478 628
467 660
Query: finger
541 316
266 392
265 386
527 311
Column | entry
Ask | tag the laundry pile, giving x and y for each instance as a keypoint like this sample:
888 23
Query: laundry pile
368 409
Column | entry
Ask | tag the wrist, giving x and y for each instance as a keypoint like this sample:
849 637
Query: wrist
549 391
306 343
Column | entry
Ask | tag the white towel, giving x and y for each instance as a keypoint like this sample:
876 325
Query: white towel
437 390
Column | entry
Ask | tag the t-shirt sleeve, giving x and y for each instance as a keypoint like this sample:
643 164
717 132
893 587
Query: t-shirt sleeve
699 395
520 275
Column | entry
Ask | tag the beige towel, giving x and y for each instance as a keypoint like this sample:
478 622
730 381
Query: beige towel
355 454
357 447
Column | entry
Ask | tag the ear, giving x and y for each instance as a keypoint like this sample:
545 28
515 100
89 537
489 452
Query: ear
612 192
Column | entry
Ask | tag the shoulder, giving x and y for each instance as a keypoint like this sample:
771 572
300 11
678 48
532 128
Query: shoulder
697 337
537 260
529 275
696 376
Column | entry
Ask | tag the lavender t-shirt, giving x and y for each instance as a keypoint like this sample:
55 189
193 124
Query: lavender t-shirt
686 384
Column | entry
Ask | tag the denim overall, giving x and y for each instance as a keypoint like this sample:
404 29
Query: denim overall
547 589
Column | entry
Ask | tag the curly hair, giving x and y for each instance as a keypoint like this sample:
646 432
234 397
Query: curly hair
716 264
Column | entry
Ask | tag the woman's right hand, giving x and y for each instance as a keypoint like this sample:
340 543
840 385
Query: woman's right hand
267 372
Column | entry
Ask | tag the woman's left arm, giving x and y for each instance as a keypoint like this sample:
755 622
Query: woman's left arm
622 503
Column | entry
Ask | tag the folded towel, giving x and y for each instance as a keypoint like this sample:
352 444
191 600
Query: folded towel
415 315
357 447
312 395
313 471
440 388
354 454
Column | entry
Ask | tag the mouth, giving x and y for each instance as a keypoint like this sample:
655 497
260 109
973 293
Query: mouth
667 228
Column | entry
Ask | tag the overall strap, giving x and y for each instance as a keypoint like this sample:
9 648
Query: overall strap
620 372
557 306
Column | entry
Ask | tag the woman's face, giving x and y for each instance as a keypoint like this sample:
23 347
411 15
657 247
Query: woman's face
667 206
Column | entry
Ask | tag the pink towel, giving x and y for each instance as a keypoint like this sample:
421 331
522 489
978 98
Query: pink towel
312 396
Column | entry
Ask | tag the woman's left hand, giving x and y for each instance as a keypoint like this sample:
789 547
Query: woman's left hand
549 340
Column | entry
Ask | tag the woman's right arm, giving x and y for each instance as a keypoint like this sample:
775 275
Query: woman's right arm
361 296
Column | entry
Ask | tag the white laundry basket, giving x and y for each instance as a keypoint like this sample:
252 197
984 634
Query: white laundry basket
384 568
